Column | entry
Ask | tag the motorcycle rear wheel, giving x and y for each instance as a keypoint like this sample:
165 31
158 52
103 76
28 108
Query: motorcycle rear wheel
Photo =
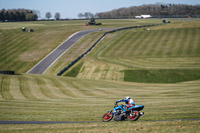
107 117
135 116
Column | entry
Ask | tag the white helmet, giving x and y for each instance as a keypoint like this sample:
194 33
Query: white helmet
126 98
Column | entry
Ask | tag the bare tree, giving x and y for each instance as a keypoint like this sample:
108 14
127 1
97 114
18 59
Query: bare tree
57 16
48 15
81 15
88 15
37 12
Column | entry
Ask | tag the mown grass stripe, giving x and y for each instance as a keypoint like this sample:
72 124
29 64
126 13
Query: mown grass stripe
184 36
54 89
192 44
152 43
12 45
45 89
191 39
63 87
146 43
196 47
5 90
25 89
74 92
133 45
130 44
156 49
81 90
1 82
118 44
35 89
15 88
169 45
11 54
9 38
115 45
186 43
163 44
137 44
176 36
155 42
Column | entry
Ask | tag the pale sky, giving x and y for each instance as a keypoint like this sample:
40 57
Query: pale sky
71 8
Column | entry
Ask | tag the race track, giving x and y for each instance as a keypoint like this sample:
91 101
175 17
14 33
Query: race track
45 63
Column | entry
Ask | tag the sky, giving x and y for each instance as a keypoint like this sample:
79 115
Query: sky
71 8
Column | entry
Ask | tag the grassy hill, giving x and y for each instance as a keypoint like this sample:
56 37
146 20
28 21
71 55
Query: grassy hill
164 49
98 79
52 98
20 51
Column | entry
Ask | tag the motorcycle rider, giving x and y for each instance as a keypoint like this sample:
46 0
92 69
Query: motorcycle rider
129 102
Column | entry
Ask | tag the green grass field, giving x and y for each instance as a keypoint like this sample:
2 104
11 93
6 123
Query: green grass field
97 81
39 98
163 48
21 51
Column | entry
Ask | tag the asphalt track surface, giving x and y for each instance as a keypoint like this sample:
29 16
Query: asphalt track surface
46 62
64 122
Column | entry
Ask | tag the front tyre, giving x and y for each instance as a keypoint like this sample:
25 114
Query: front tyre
107 117
134 116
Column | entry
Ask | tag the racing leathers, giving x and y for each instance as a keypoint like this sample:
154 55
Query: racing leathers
129 103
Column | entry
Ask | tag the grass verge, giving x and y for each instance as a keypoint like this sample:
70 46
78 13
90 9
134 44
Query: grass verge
75 70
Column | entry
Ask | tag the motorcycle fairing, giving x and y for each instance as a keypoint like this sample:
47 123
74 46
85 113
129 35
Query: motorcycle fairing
118 107
136 107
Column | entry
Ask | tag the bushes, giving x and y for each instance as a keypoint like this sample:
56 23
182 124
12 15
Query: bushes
161 75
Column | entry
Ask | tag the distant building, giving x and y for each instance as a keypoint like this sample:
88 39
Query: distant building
143 16
138 16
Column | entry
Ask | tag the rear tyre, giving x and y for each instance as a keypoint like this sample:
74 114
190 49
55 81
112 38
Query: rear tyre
134 116
107 117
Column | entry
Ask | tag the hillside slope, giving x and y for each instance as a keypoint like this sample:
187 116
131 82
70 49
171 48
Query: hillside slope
52 98
164 48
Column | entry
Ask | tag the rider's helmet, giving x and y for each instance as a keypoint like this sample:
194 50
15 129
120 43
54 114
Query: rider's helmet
126 98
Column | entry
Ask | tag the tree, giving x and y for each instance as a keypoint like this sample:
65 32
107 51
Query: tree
48 15
80 15
57 16
37 12
88 15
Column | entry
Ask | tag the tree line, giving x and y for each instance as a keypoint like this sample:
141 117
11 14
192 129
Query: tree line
86 15
18 15
155 10
13 15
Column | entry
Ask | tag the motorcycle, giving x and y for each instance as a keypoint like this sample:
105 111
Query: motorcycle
119 112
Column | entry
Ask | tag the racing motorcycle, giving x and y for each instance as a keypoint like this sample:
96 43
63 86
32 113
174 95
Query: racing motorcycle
119 112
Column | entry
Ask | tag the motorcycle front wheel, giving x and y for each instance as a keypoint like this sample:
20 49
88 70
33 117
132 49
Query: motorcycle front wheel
107 117
134 116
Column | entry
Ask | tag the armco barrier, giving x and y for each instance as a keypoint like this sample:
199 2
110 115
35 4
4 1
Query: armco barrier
81 56
8 72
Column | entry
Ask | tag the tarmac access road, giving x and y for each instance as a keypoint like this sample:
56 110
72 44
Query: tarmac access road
62 122
46 62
